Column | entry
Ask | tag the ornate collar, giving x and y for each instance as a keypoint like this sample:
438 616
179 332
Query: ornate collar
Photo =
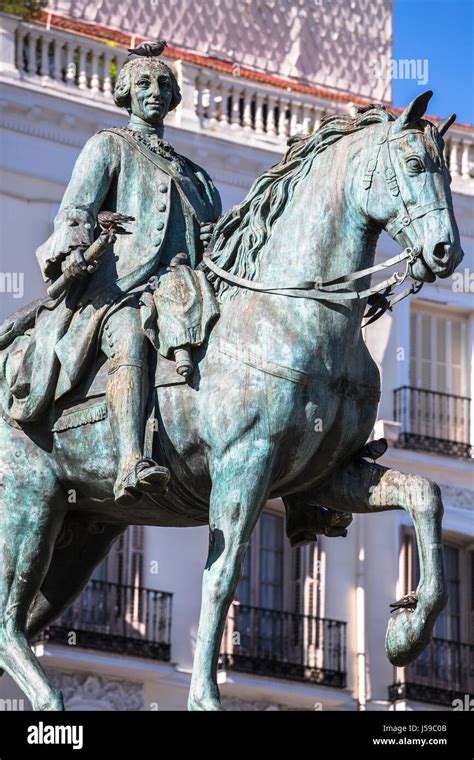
159 146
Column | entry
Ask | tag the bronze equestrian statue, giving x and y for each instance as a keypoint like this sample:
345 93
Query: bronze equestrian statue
280 393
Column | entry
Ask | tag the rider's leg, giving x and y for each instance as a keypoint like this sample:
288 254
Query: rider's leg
125 345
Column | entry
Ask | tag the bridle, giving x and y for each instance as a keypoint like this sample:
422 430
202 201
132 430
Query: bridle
378 301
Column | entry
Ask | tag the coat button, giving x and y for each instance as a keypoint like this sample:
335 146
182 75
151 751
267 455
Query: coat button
162 207
160 225
158 241
163 188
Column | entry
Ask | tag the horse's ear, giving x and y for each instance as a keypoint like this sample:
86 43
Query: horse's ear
443 126
412 112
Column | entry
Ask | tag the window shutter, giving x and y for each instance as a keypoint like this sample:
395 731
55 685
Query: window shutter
438 363
438 351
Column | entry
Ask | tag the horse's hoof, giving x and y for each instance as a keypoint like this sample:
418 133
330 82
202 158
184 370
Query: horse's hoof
407 636
301 538
54 703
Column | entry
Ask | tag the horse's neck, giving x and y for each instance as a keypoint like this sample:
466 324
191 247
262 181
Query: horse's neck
320 233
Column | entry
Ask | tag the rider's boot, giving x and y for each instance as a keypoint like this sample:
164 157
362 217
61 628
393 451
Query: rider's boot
126 400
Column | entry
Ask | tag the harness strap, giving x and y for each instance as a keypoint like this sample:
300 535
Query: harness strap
308 289
409 214
316 291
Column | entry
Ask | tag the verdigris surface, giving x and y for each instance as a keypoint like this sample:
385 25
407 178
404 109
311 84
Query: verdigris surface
276 396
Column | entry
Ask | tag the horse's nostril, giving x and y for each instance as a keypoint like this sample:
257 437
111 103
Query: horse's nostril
441 251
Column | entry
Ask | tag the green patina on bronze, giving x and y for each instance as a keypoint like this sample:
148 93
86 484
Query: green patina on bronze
278 395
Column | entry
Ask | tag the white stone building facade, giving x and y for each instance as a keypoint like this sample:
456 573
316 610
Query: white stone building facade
308 632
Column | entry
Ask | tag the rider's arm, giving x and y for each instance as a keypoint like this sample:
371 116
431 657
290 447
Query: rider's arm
93 174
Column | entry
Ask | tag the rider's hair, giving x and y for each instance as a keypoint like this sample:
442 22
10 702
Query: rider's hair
122 87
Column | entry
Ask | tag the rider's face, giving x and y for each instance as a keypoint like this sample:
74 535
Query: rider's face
150 95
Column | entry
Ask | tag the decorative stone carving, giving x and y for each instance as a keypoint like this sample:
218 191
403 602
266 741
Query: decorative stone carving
84 691
234 705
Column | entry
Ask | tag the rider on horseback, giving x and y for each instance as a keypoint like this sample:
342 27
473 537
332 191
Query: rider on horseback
134 171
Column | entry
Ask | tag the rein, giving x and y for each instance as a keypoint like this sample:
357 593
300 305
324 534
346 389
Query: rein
378 301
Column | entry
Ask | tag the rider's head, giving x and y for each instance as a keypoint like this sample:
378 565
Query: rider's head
147 88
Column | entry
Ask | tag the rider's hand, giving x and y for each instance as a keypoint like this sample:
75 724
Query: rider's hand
205 234
74 265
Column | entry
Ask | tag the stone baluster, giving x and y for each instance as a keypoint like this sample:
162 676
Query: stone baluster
306 118
271 125
282 120
95 81
259 123
294 118
318 115
44 59
57 61
247 120
465 166
454 159
200 98
19 48
225 94
235 113
70 64
107 81
32 62
212 102
82 79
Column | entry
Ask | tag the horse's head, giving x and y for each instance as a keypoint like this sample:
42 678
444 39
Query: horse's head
407 185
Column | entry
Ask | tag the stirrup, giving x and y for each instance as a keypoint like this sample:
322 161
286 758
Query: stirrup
150 476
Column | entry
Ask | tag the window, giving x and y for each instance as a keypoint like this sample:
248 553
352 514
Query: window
270 591
277 625
123 570
438 404
268 564
438 351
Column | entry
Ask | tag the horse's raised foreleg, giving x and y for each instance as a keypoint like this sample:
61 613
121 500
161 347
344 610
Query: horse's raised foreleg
239 491
364 488
80 549
28 530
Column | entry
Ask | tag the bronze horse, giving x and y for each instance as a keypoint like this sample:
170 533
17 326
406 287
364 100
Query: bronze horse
282 399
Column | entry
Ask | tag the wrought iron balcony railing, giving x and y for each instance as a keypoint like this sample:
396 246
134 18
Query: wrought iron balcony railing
432 421
115 618
285 645
443 673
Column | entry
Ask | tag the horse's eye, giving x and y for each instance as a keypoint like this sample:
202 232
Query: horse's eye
415 166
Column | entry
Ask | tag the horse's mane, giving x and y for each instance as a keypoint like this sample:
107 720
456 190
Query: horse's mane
241 232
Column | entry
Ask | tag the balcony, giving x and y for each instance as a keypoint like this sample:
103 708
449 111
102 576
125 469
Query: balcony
285 645
432 421
444 672
219 98
124 620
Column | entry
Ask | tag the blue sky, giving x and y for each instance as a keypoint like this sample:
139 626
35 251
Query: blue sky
442 32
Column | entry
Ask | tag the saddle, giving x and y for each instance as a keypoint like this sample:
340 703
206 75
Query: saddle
178 309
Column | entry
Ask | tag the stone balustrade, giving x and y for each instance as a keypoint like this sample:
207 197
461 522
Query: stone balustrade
231 106
224 101
57 59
